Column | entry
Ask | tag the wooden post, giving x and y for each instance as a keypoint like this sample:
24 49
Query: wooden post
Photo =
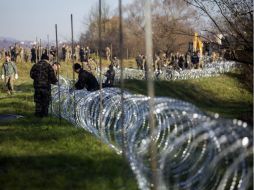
73 73
58 77
36 50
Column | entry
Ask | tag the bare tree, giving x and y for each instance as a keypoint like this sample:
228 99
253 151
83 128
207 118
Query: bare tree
174 23
90 36
231 18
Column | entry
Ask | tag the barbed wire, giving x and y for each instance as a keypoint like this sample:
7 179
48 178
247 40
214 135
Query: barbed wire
194 150
210 69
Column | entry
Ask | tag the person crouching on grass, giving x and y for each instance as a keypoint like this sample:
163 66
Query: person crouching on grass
9 74
85 79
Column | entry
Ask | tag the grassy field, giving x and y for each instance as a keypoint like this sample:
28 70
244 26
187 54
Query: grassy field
225 95
41 154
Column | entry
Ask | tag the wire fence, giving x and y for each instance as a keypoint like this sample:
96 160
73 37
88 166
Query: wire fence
193 150
169 144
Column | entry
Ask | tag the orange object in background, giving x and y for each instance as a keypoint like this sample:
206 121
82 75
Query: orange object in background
197 44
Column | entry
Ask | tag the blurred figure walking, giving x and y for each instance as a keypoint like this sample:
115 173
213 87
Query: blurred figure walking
9 74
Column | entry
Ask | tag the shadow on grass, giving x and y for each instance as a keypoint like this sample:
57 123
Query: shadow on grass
17 107
241 79
65 172
19 103
31 128
40 154
24 87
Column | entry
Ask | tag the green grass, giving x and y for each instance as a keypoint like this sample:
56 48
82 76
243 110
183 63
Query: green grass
226 94
41 154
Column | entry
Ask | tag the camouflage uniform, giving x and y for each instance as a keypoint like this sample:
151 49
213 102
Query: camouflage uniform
108 53
18 54
26 55
115 62
77 50
91 66
156 65
139 61
68 53
9 69
52 53
43 75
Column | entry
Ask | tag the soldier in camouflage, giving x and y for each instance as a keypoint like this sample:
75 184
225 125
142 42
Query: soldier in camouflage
9 74
115 62
43 75
77 50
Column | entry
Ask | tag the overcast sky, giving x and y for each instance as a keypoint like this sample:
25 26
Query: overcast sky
28 19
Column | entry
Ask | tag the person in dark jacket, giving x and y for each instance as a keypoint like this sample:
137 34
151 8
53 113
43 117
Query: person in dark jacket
43 75
195 60
85 79
13 54
64 52
110 74
139 62
33 54
82 55
181 62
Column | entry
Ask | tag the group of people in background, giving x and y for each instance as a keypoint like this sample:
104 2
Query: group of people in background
19 53
44 74
65 54
45 70
82 55
175 61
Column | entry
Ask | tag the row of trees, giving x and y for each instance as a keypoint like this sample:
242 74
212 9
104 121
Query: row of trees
174 24
173 27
